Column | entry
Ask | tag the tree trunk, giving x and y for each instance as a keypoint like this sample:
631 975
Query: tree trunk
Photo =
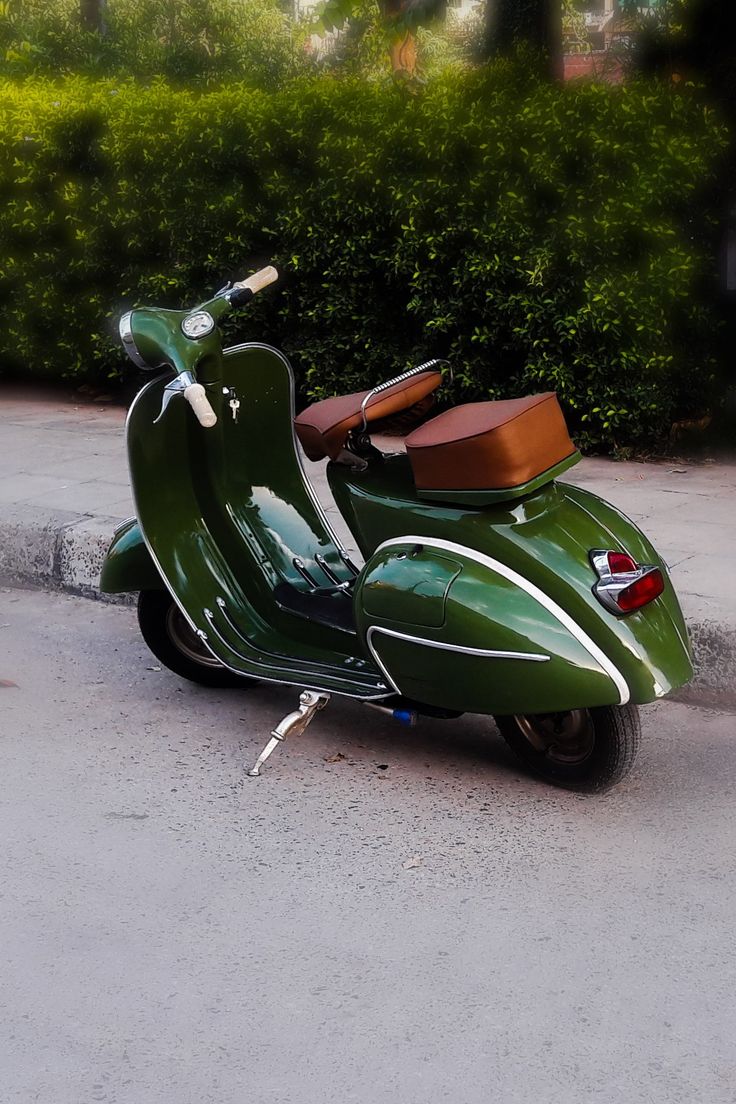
92 15
403 54
534 23
403 43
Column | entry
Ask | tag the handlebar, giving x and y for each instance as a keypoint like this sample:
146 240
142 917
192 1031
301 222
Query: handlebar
259 280
234 296
197 398
188 341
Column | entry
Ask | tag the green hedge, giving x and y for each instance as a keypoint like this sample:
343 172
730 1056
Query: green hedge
185 41
540 237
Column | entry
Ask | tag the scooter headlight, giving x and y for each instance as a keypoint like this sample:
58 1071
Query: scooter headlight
125 329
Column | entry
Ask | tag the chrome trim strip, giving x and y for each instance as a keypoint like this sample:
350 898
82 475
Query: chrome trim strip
484 653
211 622
124 525
149 547
313 664
534 592
275 666
378 661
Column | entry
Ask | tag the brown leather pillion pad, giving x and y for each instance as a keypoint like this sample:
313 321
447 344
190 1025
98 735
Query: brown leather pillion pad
489 445
323 427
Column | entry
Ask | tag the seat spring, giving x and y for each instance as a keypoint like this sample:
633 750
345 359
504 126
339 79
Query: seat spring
381 387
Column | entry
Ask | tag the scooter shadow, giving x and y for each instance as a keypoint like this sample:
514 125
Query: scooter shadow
467 748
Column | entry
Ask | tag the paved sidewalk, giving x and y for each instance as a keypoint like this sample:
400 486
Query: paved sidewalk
64 487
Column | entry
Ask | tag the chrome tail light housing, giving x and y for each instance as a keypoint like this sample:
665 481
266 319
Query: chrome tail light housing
624 586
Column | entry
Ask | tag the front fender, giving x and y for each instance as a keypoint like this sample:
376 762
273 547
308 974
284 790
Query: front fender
128 565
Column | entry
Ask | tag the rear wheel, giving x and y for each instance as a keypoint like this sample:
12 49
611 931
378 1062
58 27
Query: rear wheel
172 640
589 750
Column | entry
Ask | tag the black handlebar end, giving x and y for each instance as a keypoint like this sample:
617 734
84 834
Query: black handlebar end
238 297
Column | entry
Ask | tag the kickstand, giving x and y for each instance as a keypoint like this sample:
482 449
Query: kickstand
293 724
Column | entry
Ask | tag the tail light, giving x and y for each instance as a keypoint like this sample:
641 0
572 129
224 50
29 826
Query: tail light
624 585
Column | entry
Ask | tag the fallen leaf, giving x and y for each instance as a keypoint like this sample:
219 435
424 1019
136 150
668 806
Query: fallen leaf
334 758
412 863
7 682
382 766
678 471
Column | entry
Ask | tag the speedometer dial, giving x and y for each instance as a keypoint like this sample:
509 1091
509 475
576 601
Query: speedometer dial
198 324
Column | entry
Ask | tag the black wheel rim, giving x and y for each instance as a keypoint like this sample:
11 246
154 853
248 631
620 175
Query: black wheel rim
565 738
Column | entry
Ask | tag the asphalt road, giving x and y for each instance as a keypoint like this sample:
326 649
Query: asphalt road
444 929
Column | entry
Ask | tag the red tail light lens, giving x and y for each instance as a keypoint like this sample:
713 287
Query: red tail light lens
640 593
621 563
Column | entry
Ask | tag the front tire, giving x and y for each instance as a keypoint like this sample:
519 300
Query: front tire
588 750
173 642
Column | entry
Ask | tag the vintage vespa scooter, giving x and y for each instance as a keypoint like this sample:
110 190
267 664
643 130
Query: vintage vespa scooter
488 587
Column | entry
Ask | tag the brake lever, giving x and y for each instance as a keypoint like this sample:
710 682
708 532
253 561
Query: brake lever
177 387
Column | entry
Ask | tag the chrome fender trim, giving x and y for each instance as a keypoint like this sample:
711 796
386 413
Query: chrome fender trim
485 653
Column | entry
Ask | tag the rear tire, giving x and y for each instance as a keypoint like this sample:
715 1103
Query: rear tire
174 643
588 750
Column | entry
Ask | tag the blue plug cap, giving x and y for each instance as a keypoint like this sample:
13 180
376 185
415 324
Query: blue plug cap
406 717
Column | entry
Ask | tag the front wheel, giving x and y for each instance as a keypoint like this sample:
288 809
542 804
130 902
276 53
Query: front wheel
174 643
589 750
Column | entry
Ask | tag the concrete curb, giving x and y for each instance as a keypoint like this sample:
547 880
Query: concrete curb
62 551
65 551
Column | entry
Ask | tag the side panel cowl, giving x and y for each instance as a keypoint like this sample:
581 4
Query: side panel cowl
545 539
501 647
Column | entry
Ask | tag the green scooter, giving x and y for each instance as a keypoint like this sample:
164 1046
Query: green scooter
488 586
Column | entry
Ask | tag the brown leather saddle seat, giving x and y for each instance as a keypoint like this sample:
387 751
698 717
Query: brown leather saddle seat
324 426
491 447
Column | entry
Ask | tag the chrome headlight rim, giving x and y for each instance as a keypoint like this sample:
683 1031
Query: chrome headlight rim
125 329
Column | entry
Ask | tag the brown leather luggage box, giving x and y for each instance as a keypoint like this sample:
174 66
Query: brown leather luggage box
497 447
